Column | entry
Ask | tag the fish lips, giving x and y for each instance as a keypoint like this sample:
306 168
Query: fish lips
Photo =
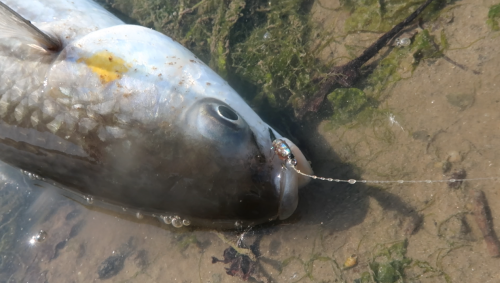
289 181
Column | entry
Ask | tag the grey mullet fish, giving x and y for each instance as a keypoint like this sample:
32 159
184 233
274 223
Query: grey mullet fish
125 116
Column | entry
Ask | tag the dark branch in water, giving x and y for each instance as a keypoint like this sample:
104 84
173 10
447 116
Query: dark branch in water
484 220
347 74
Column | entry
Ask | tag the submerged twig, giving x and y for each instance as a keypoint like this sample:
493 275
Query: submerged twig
190 10
235 246
482 214
347 74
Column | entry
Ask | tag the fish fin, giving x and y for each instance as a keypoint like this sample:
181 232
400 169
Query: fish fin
13 25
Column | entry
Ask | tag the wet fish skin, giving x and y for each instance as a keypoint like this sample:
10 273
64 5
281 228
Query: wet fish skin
130 117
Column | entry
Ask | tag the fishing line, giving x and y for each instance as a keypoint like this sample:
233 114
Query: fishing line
283 151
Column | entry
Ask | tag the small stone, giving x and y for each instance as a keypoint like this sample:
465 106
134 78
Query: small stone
454 156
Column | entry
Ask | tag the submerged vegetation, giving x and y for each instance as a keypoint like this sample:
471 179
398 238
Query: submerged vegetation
389 263
493 17
272 48
263 42
386 263
276 56
380 16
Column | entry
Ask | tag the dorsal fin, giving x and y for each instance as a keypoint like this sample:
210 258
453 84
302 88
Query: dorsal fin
13 25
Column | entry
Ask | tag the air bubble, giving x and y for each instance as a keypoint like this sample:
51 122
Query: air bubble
452 180
177 222
428 181
351 181
238 224
401 181
403 42
39 237
139 215
167 219
89 199
186 222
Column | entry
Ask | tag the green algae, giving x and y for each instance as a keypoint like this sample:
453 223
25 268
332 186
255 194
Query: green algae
398 64
493 17
425 47
389 263
361 104
381 16
348 103
271 48
229 36
276 57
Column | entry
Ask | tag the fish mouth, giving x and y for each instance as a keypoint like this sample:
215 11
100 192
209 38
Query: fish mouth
289 181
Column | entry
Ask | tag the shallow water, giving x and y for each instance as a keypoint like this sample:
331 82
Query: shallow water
438 115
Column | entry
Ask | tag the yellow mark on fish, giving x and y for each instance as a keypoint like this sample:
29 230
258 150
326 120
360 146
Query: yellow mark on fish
106 65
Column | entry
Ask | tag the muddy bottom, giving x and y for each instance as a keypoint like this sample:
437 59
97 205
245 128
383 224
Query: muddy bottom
440 120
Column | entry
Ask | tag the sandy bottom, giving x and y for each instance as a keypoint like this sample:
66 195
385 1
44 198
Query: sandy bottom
439 117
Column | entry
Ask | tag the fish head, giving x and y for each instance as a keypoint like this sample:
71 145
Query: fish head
186 142
226 129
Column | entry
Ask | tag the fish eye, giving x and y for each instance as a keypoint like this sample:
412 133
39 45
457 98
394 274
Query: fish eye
221 115
218 122
227 113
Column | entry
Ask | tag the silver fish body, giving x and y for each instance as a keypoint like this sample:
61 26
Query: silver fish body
127 116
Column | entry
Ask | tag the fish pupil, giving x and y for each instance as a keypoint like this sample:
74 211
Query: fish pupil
227 113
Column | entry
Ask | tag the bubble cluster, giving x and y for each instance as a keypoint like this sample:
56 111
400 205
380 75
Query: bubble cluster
176 221
32 176
39 237
89 199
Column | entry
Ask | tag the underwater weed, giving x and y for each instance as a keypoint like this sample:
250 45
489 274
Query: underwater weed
273 46
275 56
493 16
